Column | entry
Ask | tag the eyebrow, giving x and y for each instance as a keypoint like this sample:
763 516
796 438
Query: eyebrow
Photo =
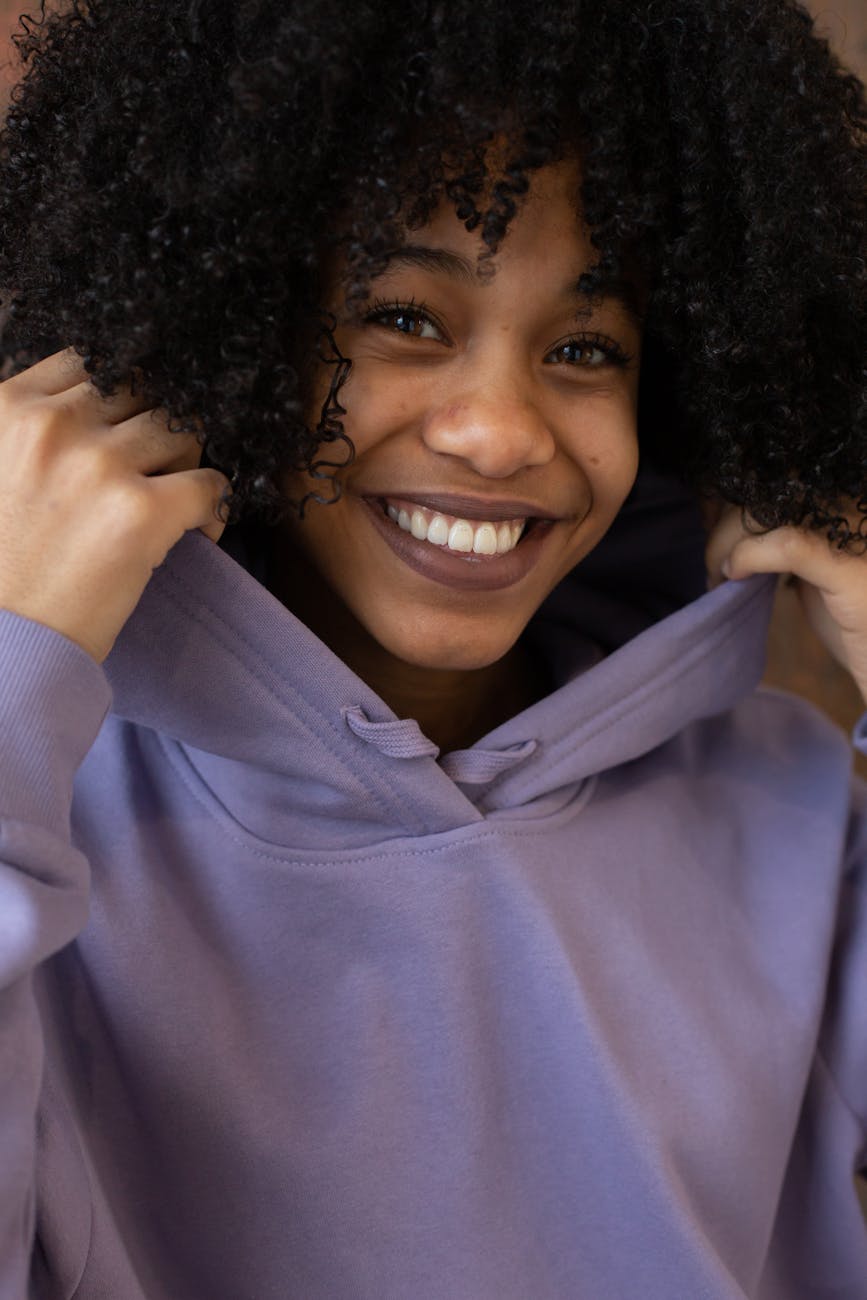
613 288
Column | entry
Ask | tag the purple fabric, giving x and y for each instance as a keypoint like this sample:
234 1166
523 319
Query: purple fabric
291 1006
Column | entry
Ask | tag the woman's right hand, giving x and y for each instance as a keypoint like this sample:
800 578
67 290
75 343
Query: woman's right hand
94 493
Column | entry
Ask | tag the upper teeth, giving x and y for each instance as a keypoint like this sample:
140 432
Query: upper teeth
458 534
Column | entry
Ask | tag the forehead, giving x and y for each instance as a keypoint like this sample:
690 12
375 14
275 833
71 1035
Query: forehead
545 209
537 232
547 248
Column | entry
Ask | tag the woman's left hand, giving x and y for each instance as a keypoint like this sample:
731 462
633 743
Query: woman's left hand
832 584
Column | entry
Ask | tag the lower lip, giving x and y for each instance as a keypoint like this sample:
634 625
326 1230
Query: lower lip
459 569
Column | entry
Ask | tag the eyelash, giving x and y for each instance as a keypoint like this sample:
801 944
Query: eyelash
613 352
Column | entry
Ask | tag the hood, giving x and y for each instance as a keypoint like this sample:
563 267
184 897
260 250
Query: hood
293 744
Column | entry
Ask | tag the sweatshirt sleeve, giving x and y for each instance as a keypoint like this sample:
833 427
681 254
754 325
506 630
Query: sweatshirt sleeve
53 700
843 1040
859 734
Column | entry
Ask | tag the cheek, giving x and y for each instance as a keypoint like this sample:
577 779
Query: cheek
604 446
376 400
377 403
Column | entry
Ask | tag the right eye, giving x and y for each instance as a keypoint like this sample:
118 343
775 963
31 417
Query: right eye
405 318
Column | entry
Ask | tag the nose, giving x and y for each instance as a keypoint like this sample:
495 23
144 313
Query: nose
495 428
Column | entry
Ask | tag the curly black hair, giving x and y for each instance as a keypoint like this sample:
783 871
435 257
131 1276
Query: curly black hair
176 174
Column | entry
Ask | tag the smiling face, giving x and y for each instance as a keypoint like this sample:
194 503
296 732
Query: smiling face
494 424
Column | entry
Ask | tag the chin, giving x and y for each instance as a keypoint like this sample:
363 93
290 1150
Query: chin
452 655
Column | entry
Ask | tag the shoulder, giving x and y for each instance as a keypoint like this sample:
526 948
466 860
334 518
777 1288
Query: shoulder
772 758
780 718
773 727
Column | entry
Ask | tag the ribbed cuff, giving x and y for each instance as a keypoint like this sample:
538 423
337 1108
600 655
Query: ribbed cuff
54 698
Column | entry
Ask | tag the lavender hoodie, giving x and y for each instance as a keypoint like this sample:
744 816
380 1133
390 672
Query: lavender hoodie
291 1005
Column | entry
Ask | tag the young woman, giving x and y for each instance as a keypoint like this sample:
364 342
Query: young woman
405 889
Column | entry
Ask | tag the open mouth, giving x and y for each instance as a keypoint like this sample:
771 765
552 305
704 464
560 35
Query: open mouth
476 537
470 555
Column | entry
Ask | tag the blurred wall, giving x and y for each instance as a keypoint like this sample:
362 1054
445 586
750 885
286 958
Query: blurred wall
8 20
844 23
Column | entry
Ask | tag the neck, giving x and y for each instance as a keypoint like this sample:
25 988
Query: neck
454 708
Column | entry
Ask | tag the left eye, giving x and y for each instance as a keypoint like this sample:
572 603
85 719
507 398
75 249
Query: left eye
577 353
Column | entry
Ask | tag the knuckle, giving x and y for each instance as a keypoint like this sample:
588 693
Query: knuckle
42 426
160 437
154 423
88 463
791 543
129 506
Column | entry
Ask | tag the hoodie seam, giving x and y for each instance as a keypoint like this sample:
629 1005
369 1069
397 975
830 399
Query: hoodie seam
395 809
360 857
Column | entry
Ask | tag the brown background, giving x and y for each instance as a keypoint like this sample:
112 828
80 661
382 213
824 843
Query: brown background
797 661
